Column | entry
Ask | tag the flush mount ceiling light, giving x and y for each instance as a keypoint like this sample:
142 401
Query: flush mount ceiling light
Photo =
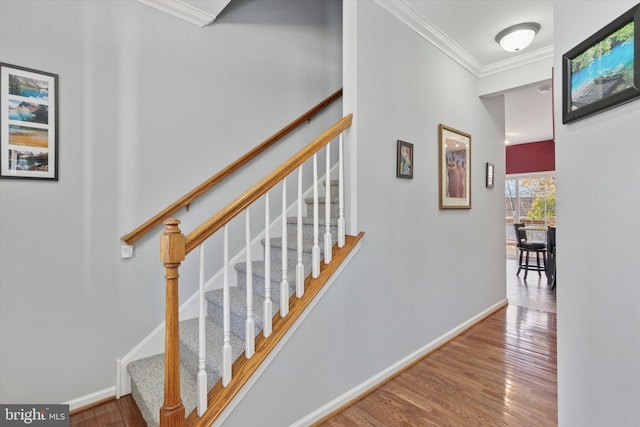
517 37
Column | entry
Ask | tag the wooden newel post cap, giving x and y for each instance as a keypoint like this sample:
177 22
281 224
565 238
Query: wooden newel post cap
172 243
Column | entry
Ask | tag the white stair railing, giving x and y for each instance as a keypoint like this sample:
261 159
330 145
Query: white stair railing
327 207
250 321
341 221
202 342
284 284
226 314
268 305
299 265
315 251
250 330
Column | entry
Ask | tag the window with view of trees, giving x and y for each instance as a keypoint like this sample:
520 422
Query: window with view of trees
530 199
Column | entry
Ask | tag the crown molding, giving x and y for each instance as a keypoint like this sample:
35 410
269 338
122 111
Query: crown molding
182 10
408 15
518 61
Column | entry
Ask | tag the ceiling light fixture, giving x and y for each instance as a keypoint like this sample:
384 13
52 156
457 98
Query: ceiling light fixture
517 37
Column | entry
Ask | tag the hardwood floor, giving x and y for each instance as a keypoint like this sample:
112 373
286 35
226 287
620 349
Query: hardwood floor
114 413
502 372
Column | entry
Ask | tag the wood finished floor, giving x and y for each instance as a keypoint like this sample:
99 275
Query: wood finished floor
114 413
502 372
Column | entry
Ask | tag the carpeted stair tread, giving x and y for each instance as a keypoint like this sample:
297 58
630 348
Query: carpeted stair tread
147 387
292 242
258 269
259 278
334 199
214 340
238 309
308 220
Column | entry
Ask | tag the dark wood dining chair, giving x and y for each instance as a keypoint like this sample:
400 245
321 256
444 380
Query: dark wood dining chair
525 248
551 257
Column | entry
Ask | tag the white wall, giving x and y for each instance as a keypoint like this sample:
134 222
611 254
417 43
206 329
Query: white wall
598 245
421 271
150 106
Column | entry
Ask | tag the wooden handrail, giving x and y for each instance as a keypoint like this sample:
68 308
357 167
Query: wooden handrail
188 198
213 224
174 246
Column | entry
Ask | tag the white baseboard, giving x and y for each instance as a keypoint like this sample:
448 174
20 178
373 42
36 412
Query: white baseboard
91 398
372 382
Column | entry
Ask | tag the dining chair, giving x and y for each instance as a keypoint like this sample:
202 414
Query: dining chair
551 257
525 248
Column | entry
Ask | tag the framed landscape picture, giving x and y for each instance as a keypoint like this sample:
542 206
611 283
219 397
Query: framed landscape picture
28 123
454 165
603 71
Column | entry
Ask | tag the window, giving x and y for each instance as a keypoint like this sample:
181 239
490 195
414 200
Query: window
530 199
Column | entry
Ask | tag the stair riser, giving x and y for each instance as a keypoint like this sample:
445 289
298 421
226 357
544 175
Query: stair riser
292 260
191 361
307 232
259 285
144 410
335 210
238 319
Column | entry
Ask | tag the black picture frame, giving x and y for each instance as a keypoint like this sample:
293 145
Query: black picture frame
608 80
28 123
404 160
490 175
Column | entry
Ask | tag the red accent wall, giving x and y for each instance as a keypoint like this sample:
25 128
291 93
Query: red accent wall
531 157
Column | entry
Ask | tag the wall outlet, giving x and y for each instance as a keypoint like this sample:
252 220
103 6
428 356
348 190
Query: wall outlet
126 251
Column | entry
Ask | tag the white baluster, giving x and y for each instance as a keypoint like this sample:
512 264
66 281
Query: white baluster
249 330
202 349
226 348
315 251
284 284
268 305
299 266
341 220
328 255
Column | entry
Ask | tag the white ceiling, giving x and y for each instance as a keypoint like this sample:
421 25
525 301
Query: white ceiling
472 25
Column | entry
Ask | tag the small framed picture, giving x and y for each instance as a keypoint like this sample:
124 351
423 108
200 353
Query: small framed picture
28 123
404 162
490 172
454 165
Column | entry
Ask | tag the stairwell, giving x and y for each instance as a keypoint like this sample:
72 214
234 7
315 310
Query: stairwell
147 375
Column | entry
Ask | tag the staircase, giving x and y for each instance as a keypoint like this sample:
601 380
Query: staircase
147 375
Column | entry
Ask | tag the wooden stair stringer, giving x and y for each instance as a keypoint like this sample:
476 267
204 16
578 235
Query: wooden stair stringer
220 397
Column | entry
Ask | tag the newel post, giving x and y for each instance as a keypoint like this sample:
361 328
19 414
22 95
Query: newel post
172 253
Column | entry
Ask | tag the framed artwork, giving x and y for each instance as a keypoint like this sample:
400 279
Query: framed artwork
28 123
490 175
454 166
404 160
602 71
